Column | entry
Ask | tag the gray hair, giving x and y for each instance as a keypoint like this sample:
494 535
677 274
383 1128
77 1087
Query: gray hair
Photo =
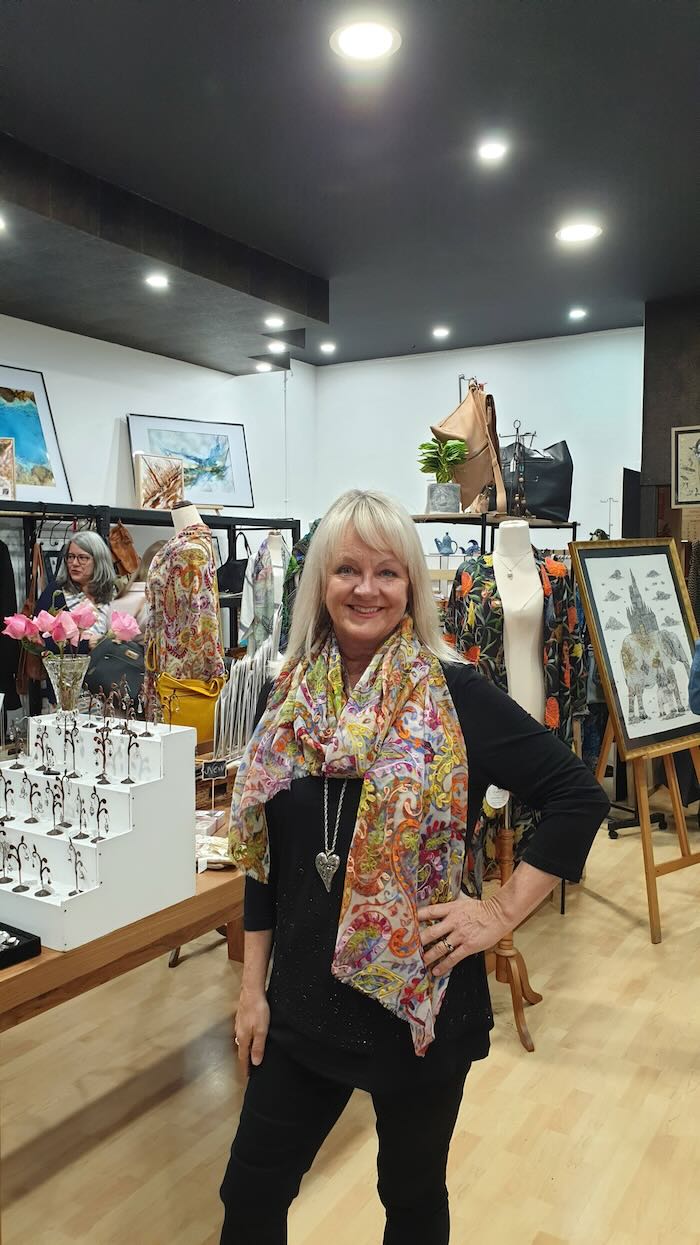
103 585
384 525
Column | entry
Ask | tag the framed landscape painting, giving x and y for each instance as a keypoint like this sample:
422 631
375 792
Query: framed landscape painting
685 466
214 457
25 417
643 634
160 481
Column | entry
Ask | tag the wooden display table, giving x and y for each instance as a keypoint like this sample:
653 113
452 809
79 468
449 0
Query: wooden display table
53 977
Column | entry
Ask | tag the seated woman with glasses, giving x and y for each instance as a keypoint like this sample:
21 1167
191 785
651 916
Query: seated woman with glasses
85 574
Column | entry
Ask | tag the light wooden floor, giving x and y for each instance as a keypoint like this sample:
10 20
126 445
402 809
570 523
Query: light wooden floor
118 1108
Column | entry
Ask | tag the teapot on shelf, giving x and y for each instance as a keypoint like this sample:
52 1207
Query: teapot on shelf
446 545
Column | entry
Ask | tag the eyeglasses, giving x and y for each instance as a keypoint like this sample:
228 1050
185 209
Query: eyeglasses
81 558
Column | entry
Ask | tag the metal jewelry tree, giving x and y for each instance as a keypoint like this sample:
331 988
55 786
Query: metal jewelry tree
103 748
32 793
15 853
76 859
7 793
43 867
98 809
4 854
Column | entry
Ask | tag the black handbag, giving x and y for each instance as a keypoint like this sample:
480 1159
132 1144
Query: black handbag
111 661
231 574
548 477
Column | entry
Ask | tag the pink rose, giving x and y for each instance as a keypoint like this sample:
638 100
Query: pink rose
65 629
19 627
84 615
45 622
123 626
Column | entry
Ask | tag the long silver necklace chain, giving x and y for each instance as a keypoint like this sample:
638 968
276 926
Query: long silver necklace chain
327 861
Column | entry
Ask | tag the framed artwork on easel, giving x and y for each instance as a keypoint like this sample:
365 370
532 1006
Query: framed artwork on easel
643 633
685 466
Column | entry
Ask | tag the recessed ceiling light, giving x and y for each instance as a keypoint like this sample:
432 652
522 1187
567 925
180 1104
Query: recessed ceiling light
578 313
327 347
263 367
3 226
441 330
365 41
492 151
274 322
579 231
276 347
157 281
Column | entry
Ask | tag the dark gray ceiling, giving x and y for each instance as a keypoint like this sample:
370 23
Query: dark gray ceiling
235 113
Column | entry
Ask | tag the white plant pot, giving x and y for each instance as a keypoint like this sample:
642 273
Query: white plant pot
443 499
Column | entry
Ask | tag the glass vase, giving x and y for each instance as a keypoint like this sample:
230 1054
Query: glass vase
66 673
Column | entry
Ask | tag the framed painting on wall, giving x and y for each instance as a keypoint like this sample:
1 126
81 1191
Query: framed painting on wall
685 466
25 417
8 485
643 633
214 457
160 481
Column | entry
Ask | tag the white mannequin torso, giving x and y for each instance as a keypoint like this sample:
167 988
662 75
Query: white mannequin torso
520 589
185 516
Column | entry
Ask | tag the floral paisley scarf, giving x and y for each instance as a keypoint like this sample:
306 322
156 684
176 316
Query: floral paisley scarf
399 732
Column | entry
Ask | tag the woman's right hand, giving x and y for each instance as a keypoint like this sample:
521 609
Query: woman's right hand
252 1025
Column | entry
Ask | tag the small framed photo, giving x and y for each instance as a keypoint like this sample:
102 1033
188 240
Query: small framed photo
8 480
160 481
685 466
643 633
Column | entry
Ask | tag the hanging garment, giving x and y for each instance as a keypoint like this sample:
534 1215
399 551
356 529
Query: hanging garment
183 632
257 616
292 580
9 649
474 623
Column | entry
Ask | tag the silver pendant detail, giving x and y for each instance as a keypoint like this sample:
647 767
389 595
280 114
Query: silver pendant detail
327 864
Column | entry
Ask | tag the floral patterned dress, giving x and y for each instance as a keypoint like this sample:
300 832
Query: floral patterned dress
474 624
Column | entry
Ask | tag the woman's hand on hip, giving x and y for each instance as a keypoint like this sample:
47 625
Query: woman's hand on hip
252 1025
452 931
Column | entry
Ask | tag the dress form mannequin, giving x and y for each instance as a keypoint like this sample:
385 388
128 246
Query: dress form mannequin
185 515
520 589
274 544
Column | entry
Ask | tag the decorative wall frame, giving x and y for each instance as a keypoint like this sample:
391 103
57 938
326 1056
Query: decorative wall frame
214 456
685 466
643 633
159 480
8 480
25 416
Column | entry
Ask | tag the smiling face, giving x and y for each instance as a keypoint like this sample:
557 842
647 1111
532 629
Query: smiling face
366 596
80 565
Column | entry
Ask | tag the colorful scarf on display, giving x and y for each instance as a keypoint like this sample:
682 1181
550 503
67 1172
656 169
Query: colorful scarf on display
399 732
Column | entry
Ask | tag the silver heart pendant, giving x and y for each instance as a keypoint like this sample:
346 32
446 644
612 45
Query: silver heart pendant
327 864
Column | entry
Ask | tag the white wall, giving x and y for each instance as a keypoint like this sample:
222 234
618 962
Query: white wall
93 385
587 389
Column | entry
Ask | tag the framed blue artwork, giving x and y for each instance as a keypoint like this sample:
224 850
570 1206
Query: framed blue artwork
214 456
25 416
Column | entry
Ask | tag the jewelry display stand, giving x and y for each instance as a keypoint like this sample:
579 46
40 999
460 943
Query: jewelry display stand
510 965
138 858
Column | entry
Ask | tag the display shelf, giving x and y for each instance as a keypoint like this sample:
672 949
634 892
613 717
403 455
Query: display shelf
491 520
144 860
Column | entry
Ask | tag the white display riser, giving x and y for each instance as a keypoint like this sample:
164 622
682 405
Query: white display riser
146 759
146 863
119 796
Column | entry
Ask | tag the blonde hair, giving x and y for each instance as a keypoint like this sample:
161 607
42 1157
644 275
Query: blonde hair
386 526
141 572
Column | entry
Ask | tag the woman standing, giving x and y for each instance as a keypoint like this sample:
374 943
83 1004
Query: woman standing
352 814
85 574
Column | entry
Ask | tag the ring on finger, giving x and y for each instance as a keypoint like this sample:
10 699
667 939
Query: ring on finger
448 946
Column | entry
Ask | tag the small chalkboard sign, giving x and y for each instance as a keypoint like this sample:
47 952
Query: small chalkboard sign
214 769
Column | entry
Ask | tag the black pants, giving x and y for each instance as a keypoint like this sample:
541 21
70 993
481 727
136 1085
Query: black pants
288 1112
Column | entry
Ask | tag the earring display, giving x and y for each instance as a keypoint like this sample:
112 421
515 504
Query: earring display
16 852
44 873
17 736
117 792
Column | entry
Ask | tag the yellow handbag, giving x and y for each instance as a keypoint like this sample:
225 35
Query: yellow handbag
194 703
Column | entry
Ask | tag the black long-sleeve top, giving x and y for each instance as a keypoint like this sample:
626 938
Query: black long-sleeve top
310 1009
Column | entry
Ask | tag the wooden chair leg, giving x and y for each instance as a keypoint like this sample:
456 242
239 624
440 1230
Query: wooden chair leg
640 783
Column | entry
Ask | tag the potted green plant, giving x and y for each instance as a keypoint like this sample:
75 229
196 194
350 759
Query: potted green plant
441 459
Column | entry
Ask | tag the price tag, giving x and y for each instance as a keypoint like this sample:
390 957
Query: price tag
496 797
214 769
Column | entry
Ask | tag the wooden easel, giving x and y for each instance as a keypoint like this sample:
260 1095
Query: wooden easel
652 871
509 963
